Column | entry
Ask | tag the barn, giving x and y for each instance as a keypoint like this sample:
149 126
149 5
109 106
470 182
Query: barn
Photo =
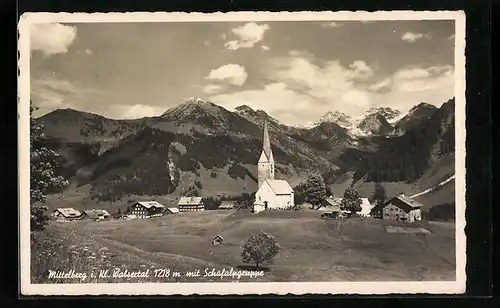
191 204
172 210
90 214
330 208
401 208
66 214
147 209
227 205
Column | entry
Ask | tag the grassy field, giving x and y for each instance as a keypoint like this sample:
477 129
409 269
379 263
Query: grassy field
312 248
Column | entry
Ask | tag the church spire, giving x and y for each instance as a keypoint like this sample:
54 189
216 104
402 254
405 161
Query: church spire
266 143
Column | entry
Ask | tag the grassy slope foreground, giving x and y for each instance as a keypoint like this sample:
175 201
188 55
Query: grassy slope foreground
312 249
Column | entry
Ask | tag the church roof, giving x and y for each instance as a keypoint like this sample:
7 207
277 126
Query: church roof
280 187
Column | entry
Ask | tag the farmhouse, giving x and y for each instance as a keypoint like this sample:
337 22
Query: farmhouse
66 214
400 208
191 204
95 214
227 205
147 209
271 193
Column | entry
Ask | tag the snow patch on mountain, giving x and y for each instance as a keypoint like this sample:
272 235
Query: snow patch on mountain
365 124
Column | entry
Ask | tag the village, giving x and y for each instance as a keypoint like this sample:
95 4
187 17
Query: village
272 194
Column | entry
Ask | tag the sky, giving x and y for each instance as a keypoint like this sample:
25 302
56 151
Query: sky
294 70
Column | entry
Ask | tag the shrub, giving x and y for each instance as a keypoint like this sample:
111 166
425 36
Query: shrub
261 248
213 174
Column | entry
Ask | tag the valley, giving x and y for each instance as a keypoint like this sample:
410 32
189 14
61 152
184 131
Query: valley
110 161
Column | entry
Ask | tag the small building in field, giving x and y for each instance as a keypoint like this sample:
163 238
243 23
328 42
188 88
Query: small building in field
218 240
274 195
172 210
103 214
66 214
227 205
401 208
366 207
329 208
191 204
147 209
90 214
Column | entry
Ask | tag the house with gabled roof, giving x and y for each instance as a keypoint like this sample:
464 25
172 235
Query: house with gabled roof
90 214
191 204
227 205
147 209
400 208
66 214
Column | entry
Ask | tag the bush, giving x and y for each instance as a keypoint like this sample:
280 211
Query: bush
213 174
261 248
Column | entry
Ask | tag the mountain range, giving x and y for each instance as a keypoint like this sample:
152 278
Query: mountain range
199 145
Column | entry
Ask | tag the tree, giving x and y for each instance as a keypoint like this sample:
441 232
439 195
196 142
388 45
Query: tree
261 248
351 201
379 195
314 189
43 180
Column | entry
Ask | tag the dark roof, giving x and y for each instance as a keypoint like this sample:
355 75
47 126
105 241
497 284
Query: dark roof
91 214
405 200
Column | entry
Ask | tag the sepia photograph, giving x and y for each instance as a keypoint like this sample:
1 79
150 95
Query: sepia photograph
242 153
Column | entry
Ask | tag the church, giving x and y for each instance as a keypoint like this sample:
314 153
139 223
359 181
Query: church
271 193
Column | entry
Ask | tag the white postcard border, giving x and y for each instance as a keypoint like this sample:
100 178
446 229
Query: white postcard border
214 288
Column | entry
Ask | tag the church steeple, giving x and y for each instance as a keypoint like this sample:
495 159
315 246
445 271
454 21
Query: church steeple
266 143
266 160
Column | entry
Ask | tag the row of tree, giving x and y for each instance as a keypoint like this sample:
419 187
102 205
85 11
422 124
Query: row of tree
314 191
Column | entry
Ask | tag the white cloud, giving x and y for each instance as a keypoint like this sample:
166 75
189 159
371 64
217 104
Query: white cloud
331 25
420 79
304 88
206 43
51 93
451 37
265 47
248 35
410 86
233 73
211 88
135 111
385 84
51 39
361 69
88 51
275 98
413 37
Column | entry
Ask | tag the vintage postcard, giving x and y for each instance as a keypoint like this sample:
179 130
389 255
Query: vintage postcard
242 153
